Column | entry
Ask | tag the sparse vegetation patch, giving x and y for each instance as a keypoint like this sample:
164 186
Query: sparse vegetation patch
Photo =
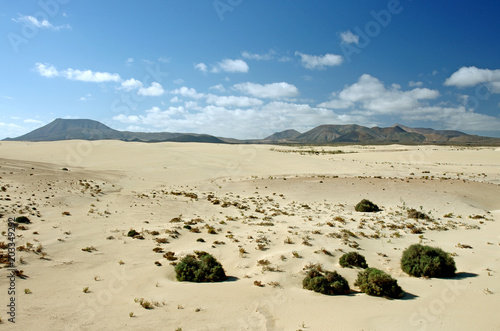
353 259
366 206
425 261
325 282
201 267
375 282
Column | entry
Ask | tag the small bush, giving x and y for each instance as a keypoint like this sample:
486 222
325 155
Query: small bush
330 283
200 268
413 213
353 259
22 219
376 282
132 233
366 206
419 261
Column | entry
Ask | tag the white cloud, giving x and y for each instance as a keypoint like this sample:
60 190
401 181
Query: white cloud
255 122
46 70
191 105
228 65
131 119
233 101
178 81
153 91
40 24
320 62
188 92
129 61
472 76
218 87
131 84
369 94
259 57
86 98
175 99
271 91
11 130
415 84
29 120
348 37
201 67
369 97
164 59
90 76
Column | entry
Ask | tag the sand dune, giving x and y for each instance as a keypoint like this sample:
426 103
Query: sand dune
255 197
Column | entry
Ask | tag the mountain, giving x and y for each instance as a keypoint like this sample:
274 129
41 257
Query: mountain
396 134
66 129
358 134
283 135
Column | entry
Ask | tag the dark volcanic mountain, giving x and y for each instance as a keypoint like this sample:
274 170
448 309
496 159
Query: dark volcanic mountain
67 129
283 135
397 134
63 129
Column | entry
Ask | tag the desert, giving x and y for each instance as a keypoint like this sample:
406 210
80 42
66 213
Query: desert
266 213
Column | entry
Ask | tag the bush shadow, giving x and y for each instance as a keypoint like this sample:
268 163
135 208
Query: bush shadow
464 275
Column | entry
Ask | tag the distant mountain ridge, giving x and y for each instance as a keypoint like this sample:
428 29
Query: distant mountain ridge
85 129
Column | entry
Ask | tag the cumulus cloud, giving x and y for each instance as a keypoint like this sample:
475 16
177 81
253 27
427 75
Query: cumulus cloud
29 120
228 65
153 91
415 84
347 37
370 98
90 76
131 84
233 101
218 87
253 122
259 57
201 67
269 91
40 24
320 62
472 76
86 97
371 95
188 92
46 70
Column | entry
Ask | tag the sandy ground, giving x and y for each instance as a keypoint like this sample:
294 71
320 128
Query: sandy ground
256 198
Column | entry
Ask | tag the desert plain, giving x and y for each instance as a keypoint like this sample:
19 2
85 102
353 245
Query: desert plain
265 212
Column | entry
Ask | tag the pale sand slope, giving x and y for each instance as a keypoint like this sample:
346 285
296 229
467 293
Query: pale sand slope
266 196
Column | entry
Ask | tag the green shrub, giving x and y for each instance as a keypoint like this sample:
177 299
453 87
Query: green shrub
23 219
376 282
132 233
419 260
201 267
353 259
366 206
330 283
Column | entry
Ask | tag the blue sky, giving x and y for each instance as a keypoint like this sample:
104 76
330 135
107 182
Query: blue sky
246 69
